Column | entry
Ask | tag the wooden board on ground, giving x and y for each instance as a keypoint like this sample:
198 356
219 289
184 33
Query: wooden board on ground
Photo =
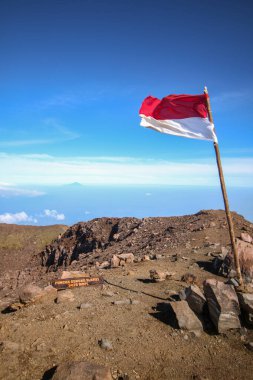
77 282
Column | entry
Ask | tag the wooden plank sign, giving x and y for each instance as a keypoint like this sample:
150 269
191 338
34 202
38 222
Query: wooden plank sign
75 282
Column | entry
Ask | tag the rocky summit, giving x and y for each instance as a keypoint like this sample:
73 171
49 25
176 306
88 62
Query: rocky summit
96 241
166 306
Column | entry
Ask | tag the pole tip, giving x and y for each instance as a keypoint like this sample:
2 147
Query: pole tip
205 90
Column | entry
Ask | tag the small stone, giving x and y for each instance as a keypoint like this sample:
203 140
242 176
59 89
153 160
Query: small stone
30 293
107 293
105 344
246 304
34 294
85 305
189 278
65 296
10 346
134 302
246 237
81 370
122 302
249 346
104 265
130 273
146 258
115 261
159 276
127 257
72 274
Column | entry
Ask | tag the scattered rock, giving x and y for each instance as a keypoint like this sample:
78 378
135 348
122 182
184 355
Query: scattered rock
32 293
186 318
122 302
134 302
81 370
103 265
86 305
105 344
223 305
246 304
195 298
10 346
249 346
245 253
127 257
146 258
246 237
115 261
65 296
189 278
72 274
159 276
108 293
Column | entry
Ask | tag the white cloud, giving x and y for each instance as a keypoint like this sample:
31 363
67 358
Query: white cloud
26 170
53 214
86 212
19 217
148 194
51 131
7 191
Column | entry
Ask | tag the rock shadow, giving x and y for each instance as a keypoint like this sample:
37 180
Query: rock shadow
146 280
164 313
49 373
207 265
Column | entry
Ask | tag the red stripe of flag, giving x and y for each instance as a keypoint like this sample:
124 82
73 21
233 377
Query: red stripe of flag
174 107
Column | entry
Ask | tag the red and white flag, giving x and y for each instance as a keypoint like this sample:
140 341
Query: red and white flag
180 115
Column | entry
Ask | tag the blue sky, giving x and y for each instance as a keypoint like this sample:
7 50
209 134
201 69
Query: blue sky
73 75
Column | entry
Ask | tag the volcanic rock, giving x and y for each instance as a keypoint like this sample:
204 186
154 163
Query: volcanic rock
105 344
186 318
65 296
32 293
159 276
245 253
246 304
195 298
223 305
81 370
115 261
246 237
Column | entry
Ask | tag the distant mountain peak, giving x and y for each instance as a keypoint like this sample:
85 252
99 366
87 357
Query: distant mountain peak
74 184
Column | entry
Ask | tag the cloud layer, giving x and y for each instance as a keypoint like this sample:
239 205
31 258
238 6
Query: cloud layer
23 218
48 170
17 218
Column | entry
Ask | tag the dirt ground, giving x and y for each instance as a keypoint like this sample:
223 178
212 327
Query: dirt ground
145 345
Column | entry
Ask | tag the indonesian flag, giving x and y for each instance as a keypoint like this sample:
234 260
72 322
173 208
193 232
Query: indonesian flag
180 115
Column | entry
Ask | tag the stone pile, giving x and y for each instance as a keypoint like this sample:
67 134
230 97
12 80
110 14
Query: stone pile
226 266
117 261
220 304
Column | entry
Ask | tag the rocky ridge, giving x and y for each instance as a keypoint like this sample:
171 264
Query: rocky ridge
98 240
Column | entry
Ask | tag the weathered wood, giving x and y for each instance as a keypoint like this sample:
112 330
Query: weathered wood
225 198
77 282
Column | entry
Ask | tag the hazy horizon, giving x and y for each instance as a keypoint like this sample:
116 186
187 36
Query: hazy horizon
71 203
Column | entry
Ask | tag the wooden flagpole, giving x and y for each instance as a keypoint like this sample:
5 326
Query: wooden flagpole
225 199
